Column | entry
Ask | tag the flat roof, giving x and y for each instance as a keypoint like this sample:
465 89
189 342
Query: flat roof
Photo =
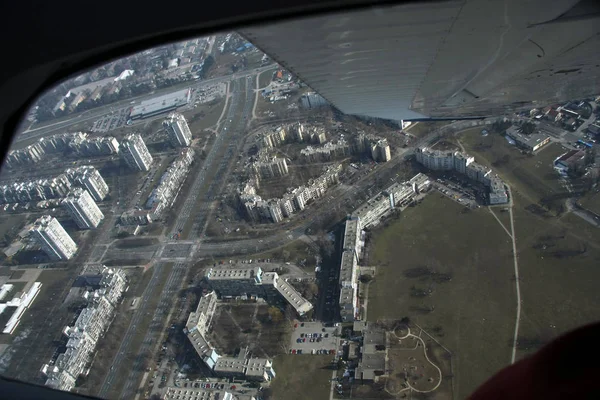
214 274
160 103
347 266
292 296
351 233
528 140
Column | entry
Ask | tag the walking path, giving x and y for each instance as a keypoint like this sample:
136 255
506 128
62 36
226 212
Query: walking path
409 387
517 280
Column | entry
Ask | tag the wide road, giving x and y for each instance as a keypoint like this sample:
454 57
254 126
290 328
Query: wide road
231 132
170 287
61 124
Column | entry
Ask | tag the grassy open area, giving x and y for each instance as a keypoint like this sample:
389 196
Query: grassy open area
558 263
450 272
531 175
301 377
591 201
247 324
205 116
265 78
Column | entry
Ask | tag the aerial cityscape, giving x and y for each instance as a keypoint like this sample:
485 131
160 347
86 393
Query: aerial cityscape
195 222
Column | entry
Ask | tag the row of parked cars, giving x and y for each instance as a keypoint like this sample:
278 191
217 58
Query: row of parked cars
313 351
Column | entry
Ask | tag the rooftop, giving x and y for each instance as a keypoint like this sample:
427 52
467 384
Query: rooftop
214 274
346 267
156 104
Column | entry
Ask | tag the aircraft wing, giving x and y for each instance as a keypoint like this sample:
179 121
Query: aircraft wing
463 58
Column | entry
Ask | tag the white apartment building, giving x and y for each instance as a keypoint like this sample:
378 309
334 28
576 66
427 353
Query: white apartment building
53 238
136 153
436 160
89 178
90 326
271 168
83 209
178 130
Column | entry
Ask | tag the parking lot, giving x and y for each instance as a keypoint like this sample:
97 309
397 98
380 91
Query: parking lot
313 338
114 120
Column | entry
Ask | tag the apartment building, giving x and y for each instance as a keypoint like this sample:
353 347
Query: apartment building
136 153
83 209
254 282
270 167
89 177
91 324
466 165
163 196
177 129
53 239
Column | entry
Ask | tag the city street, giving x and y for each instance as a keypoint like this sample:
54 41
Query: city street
62 124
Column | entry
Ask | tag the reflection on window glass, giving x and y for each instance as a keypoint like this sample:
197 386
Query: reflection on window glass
194 220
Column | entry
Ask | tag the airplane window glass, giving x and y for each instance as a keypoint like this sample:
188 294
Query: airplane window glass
330 218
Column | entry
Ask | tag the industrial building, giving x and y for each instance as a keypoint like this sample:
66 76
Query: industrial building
53 239
531 143
570 160
178 130
89 178
160 104
136 153
83 209
91 324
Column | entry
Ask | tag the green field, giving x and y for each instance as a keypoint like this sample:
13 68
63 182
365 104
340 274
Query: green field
301 377
450 272
205 115
531 176
265 78
558 264
591 201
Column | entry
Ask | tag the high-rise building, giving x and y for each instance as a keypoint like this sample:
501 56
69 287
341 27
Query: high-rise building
271 168
83 209
136 153
178 130
53 238
89 178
